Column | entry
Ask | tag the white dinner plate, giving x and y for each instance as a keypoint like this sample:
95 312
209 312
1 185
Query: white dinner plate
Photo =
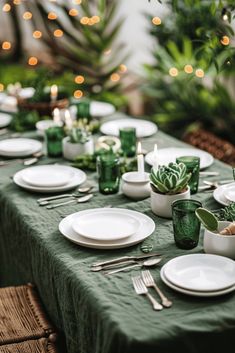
109 225
5 119
48 175
167 155
19 147
201 272
78 178
194 293
146 228
229 193
144 128
219 194
8 103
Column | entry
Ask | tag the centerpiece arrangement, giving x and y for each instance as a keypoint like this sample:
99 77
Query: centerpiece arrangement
168 183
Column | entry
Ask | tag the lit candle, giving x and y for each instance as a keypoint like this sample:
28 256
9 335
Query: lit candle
56 115
140 162
54 93
155 158
68 119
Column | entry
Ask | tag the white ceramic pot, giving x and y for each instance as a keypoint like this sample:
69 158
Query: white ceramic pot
161 203
72 150
217 244
135 188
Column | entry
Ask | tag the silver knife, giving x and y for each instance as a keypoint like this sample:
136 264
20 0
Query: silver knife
124 258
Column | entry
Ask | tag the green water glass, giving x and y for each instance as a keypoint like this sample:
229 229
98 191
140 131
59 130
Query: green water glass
193 166
127 137
83 110
108 169
54 136
186 225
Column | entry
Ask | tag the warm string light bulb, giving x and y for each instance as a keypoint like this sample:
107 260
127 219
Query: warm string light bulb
37 34
173 72
32 61
78 94
79 79
73 12
188 69
17 2
52 16
156 21
58 33
115 77
77 2
122 68
1 87
199 73
27 15
6 8
225 40
90 21
6 45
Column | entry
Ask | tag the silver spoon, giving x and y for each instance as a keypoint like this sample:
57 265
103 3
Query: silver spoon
85 189
78 200
146 263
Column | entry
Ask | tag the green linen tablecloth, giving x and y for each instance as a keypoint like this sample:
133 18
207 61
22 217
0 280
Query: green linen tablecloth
101 314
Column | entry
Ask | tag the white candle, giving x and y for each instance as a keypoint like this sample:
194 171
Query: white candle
155 158
140 162
56 115
68 119
54 93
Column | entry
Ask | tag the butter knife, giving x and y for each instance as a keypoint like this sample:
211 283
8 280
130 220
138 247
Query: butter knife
124 258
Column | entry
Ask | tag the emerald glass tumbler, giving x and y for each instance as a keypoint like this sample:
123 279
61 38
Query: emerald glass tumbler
54 137
127 137
193 166
108 169
186 225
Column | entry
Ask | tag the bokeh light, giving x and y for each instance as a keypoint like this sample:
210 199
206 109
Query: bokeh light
115 77
225 40
79 79
122 68
173 72
52 16
73 12
188 69
37 34
6 8
78 94
6 45
156 21
58 33
32 61
1 87
27 15
199 73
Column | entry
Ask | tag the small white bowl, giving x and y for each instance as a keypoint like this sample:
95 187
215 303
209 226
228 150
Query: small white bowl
134 187
217 244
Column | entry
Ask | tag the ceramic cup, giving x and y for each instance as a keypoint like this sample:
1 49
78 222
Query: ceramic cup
217 244
135 188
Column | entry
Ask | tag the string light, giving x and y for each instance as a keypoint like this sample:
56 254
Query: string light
78 94
58 33
156 21
95 19
79 79
6 45
115 77
225 17
173 72
225 40
27 15
77 2
73 12
37 34
17 2
52 16
6 8
199 73
188 69
1 87
122 68
84 20
32 61
90 22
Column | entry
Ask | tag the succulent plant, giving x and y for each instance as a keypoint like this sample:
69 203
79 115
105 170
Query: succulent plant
227 213
78 135
171 179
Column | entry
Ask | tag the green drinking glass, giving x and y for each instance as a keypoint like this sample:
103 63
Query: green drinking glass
83 109
54 137
186 225
108 169
193 166
127 136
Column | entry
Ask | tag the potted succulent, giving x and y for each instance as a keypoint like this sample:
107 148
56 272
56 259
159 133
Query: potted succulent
78 142
168 183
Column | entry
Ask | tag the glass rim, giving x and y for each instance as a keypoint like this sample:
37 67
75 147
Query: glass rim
191 158
192 201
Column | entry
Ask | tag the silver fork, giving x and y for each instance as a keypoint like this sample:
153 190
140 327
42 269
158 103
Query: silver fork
142 290
149 282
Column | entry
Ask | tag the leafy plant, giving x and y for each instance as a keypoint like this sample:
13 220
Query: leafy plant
171 179
24 120
207 218
78 135
227 213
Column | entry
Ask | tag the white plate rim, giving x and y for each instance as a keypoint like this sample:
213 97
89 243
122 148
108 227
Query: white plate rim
27 170
218 192
100 115
194 293
110 238
82 241
151 125
148 157
79 178
36 147
200 257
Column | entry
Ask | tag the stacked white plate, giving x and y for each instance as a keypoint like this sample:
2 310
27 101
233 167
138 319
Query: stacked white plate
201 275
225 194
49 178
144 128
106 228
19 147
167 155
5 119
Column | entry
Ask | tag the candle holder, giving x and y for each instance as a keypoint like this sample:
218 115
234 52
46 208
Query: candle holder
108 168
127 136
54 136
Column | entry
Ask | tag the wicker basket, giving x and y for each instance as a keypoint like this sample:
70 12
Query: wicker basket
43 108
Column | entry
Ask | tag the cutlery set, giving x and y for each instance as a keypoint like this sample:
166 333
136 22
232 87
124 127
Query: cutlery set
25 161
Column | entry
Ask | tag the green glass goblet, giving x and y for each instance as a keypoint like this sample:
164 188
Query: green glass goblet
108 169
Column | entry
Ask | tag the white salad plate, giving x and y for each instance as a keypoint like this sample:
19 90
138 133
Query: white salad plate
220 192
229 193
144 128
110 225
167 155
145 229
201 272
78 178
19 147
48 175
194 293
5 119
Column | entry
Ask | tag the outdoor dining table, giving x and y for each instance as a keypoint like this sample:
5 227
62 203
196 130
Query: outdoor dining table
98 313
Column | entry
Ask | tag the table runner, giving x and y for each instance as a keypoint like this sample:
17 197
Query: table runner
101 314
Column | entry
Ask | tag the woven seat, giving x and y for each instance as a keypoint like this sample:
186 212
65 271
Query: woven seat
207 141
24 326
